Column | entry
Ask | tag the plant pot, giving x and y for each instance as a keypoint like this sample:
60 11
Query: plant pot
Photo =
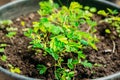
19 7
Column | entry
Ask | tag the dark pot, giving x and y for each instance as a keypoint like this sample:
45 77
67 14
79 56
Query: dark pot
19 7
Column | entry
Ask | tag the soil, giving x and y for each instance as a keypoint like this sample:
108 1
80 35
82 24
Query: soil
20 56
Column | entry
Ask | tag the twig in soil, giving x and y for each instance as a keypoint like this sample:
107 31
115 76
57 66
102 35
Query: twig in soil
113 46
107 50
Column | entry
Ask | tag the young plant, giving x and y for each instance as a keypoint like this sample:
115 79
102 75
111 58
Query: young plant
4 58
113 20
58 32
14 69
11 34
2 48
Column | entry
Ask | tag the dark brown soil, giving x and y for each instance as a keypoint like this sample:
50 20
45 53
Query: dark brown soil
20 56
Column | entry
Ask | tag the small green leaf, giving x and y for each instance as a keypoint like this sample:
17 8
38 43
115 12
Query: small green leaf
69 64
5 22
54 29
112 11
42 69
23 23
102 12
2 49
54 55
15 70
107 31
81 55
11 34
93 9
36 43
86 64
12 29
75 5
93 46
3 57
28 32
58 73
71 74
84 42
3 45
62 38
86 7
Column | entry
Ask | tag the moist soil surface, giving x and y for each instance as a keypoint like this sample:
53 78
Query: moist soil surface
19 55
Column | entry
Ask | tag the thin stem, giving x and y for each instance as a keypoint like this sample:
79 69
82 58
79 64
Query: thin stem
113 46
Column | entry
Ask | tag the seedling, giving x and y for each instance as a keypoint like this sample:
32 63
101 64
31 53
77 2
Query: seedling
11 29
93 9
3 57
107 31
41 68
2 48
23 23
86 64
102 12
5 22
11 34
113 20
14 69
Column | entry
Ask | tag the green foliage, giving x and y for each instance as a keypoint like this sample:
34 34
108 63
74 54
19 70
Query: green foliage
107 31
64 74
41 68
47 7
11 29
113 20
71 63
113 12
2 48
109 12
5 22
3 57
86 64
86 7
102 12
93 9
11 34
14 69
52 53
58 32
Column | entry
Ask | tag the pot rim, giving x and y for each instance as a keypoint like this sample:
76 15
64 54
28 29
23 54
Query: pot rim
22 77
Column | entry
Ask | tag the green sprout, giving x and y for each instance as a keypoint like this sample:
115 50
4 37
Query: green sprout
2 48
107 31
14 69
3 57
5 22
93 9
11 34
41 68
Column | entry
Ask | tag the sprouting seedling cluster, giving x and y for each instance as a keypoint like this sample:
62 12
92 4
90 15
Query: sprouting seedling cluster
5 25
112 18
58 32
2 49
